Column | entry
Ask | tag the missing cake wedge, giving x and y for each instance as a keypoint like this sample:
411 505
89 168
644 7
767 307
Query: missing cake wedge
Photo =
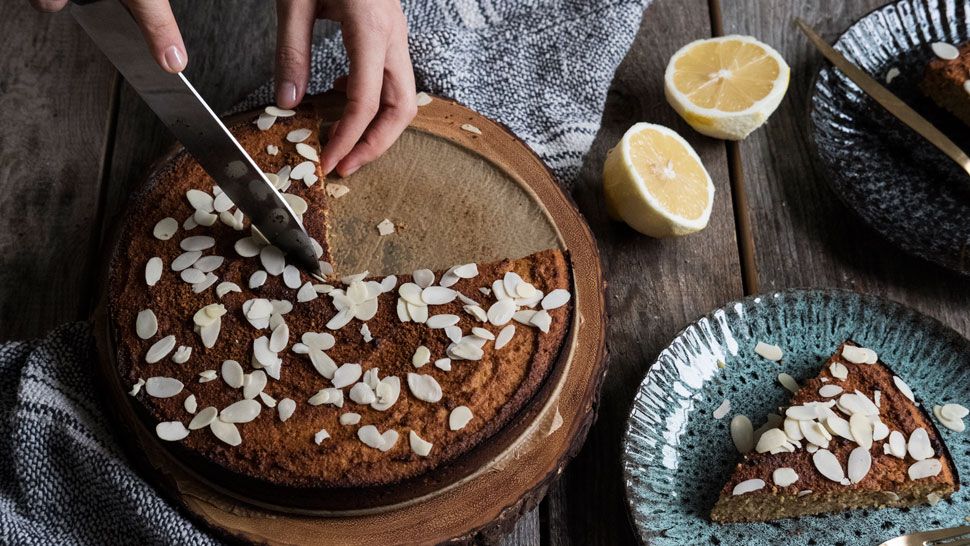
853 437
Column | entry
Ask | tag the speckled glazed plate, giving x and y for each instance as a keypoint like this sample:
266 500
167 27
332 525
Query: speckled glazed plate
677 456
899 183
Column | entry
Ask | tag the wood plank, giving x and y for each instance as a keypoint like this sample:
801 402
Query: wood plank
56 92
656 286
804 236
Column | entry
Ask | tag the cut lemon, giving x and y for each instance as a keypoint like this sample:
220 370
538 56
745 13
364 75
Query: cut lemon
655 182
726 87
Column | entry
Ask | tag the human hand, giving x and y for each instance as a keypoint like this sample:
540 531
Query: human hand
380 86
157 23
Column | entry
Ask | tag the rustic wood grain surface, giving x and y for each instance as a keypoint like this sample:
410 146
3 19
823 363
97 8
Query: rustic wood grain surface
76 139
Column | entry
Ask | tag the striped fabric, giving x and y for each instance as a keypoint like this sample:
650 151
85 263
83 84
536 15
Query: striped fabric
541 67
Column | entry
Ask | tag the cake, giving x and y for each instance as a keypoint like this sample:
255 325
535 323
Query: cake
947 79
258 376
853 437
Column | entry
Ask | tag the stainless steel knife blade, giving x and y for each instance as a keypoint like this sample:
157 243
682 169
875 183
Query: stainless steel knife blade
198 128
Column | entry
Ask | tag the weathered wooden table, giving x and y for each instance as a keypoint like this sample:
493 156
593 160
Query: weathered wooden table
75 139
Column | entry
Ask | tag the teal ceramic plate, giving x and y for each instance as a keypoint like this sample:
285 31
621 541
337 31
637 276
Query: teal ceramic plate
677 456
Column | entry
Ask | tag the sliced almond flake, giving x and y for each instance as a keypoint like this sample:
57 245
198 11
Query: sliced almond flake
146 324
272 260
203 218
153 271
510 282
926 468
422 355
953 412
182 354
291 277
904 388
225 287
227 432
387 391
205 284
464 351
136 388
285 409
257 279
308 293
424 387
500 313
362 393
861 428
556 299
477 312
449 279
165 229
322 341
385 227
253 384
402 311
722 409
207 264
748 486
860 461
438 295
418 313
423 99
742 433
272 149
190 404
945 51
160 349
859 355
242 411
200 200
247 247
207 375
839 371
320 436
190 223
919 446
185 260
265 121
783 477
298 135
459 417
542 320
839 427
466 271
192 275
828 465
163 387
483 333
346 375
453 333
471 128
279 112
337 191
879 431
441 321
411 293
423 278
504 336
308 152
232 374
828 391
770 440
768 351
793 430
891 74
443 364
171 431
267 400
204 418
197 242
419 446
896 446
366 333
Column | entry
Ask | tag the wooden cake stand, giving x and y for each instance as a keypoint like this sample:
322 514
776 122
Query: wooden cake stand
459 188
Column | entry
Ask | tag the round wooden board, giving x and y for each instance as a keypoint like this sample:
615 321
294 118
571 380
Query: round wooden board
455 196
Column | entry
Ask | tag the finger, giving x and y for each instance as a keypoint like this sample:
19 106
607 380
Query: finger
398 108
296 18
48 6
363 94
161 32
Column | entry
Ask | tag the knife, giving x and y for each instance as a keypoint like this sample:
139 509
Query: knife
195 125
884 97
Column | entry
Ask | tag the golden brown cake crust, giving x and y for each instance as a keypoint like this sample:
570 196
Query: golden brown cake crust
887 474
944 82
495 388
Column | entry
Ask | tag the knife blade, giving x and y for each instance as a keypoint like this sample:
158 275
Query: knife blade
179 106
886 99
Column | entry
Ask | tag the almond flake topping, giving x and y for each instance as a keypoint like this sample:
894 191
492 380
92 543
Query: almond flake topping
441 321
860 461
828 465
320 436
783 477
385 227
227 432
904 388
500 312
748 486
272 149
165 229
272 260
163 387
182 354
190 404
459 417
555 299
892 74
371 437
896 446
443 364
153 271
285 409
422 355
276 111
232 374
839 371
471 128
926 468
788 382
298 135
722 409
346 375
504 336
197 242
242 411
136 388
225 287
207 375
146 325
919 445
265 121
828 391
859 355
204 418
424 387
945 51
742 433
308 152
171 431
349 418
337 191
160 349
954 411
185 260
769 352
419 446
423 99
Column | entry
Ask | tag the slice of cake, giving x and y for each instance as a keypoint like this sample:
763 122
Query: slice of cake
853 437
258 376
947 79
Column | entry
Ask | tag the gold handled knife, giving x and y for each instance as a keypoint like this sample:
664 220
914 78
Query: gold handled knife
886 99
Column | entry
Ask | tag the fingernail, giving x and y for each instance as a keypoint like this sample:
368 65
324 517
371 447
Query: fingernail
174 59
286 94
347 171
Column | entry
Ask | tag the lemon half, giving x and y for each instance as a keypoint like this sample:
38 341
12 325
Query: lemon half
655 182
726 87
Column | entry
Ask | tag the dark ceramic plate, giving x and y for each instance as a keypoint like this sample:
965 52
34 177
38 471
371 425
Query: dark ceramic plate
900 184
677 456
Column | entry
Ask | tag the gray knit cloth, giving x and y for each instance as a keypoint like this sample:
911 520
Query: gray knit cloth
540 67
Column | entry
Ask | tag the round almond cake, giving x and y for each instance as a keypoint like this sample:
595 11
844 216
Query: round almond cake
254 374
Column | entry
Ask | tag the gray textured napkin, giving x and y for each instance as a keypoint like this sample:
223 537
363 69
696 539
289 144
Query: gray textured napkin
540 67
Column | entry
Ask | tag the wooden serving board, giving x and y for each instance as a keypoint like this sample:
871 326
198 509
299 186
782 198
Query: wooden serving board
455 196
